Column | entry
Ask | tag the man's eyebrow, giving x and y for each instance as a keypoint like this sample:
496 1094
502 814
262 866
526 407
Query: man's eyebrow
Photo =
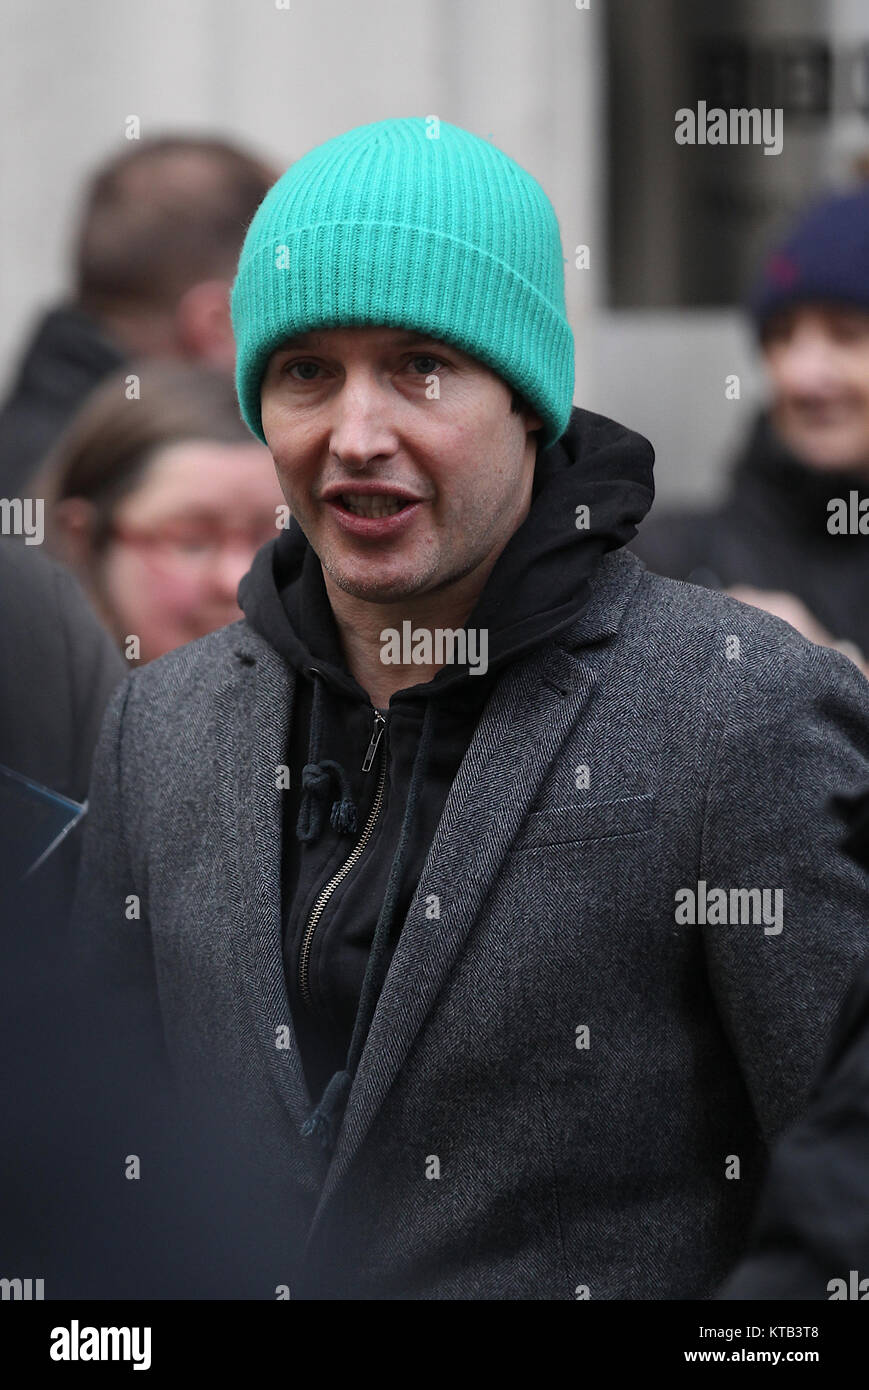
312 338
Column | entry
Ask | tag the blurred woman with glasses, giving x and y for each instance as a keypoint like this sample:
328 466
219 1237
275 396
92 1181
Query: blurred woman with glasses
159 503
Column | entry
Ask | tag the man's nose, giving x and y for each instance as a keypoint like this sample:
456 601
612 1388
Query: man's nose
807 366
362 424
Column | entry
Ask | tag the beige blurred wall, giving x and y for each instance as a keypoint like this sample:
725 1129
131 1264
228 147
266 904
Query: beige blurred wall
521 71
527 73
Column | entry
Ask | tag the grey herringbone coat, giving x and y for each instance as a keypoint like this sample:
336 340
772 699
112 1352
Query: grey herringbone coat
566 1091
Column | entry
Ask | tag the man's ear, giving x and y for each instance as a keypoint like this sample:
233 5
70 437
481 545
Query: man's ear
530 419
72 522
203 327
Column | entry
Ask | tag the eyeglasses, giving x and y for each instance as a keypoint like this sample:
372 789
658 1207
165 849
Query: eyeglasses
193 545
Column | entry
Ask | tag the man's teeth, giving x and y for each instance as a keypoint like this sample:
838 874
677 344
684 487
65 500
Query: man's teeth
366 505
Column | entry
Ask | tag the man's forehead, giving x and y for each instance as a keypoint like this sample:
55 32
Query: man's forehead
397 336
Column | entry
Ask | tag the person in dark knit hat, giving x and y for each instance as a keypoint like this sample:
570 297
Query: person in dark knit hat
790 534
420 847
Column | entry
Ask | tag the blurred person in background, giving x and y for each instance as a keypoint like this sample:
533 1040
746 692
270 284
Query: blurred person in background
154 256
69 1104
58 672
159 504
789 537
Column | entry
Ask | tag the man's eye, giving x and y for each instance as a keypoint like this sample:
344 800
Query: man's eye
307 370
431 364
191 544
849 330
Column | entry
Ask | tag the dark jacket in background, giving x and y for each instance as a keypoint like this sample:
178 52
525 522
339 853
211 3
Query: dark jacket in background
812 1224
58 669
57 672
67 356
771 532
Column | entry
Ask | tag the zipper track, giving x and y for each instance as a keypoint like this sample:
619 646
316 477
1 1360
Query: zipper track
338 877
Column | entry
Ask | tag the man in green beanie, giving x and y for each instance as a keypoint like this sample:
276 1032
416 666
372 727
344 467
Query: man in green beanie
482 881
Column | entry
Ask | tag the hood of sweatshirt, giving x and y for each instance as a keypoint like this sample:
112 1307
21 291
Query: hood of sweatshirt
537 587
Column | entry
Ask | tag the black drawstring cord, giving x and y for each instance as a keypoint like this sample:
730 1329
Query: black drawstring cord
317 780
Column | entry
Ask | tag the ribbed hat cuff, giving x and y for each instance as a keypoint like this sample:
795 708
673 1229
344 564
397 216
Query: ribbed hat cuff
343 273
819 289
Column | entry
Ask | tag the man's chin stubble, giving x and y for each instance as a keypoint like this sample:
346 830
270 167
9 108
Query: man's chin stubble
373 590
401 589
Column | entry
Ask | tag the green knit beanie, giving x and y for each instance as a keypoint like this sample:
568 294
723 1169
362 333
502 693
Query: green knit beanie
417 224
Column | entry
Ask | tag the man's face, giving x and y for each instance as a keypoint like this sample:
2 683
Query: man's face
398 455
818 361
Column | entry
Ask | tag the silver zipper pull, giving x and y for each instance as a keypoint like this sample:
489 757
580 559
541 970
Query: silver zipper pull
379 726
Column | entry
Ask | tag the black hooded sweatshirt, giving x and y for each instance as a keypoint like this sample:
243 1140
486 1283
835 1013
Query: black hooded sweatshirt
367 787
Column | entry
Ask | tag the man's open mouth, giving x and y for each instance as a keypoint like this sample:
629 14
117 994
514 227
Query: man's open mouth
371 504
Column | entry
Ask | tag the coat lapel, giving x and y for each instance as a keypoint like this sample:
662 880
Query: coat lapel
254 710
